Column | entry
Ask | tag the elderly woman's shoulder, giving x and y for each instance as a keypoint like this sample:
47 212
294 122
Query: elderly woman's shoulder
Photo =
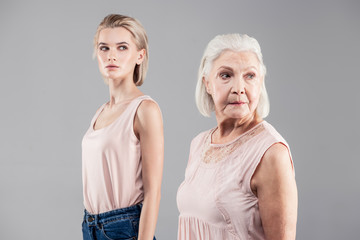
271 134
270 128
201 137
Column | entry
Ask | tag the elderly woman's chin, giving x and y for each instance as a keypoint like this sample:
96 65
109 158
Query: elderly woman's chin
241 112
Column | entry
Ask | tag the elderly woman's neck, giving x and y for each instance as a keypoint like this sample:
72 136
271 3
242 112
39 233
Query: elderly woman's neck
228 129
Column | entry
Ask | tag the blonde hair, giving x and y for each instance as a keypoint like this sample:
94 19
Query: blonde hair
140 38
233 42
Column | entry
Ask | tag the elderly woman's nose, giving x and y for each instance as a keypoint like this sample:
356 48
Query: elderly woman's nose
238 86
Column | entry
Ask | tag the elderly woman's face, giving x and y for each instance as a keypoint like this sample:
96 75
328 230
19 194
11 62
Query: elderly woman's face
234 83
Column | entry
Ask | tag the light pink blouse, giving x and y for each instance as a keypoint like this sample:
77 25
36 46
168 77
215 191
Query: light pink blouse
111 163
215 200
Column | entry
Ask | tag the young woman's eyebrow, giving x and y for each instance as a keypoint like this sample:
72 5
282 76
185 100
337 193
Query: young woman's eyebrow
119 43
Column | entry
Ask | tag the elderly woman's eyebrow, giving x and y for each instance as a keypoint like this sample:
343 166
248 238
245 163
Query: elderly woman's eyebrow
251 67
232 69
225 67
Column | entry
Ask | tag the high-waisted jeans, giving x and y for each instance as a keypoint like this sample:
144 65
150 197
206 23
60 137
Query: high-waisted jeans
118 224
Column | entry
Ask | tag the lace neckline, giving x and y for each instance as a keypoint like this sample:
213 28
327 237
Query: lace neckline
213 153
250 131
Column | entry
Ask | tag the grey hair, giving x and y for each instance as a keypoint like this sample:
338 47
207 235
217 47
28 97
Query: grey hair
233 42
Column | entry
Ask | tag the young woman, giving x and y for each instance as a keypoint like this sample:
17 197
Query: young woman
123 149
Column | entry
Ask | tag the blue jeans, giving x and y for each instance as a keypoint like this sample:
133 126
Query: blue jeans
118 224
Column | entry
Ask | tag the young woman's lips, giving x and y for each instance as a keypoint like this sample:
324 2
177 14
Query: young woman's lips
111 66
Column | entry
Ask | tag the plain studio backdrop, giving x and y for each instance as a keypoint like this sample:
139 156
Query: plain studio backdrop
50 89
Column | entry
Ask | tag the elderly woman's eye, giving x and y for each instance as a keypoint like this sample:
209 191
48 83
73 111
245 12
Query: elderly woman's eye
224 75
250 75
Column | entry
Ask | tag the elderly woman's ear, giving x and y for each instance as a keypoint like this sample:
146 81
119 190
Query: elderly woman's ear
206 83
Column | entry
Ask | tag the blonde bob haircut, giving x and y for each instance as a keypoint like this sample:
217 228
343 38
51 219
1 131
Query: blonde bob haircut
139 36
229 42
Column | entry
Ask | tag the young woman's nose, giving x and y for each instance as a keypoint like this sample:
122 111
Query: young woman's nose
111 55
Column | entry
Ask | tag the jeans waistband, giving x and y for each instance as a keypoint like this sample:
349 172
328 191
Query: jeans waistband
121 213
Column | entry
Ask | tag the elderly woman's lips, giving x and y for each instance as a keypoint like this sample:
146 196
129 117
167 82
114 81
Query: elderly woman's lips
237 103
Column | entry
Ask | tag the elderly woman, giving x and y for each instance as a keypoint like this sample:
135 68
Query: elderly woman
239 181
122 151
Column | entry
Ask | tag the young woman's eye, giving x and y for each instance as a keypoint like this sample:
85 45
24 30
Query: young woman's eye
122 47
103 48
225 75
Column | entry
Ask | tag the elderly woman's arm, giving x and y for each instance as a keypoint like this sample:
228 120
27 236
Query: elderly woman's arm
148 124
274 184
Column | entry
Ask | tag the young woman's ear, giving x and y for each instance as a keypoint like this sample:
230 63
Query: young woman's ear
141 56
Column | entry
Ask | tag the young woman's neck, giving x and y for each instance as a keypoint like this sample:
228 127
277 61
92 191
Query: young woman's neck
121 91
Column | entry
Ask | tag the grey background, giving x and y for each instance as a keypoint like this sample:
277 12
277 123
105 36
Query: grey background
50 88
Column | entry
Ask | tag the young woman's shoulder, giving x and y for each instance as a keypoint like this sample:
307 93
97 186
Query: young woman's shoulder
148 118
148 110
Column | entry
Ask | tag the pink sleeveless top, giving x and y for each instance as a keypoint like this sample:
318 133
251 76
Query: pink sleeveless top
111 163
215 200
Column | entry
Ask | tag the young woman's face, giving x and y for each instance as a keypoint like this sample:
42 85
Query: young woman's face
234 83
117 54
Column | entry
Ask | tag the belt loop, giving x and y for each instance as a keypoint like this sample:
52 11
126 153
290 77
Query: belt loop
96 221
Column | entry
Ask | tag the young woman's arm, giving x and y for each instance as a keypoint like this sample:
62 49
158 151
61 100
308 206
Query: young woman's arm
148 127
274 184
